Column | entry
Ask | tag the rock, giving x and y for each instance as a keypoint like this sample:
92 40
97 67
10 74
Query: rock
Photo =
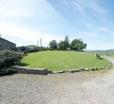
54 72
82 69
75 70
50 72
61 71
87 69
67 71
93 68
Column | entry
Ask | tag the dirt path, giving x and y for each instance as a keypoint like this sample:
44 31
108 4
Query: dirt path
78 88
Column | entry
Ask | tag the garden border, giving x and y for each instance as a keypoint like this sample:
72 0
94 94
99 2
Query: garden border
44 71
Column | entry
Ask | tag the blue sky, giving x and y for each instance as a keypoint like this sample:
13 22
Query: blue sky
26 21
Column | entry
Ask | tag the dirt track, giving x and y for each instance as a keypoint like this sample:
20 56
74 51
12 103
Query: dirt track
78 88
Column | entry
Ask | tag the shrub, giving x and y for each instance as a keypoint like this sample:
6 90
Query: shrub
8 58
31 48
7 71
22 49
98 57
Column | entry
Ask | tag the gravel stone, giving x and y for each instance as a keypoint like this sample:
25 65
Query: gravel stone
90 87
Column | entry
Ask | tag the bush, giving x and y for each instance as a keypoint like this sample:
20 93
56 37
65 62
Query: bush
98 57
8 58
31 48
23 49
7 71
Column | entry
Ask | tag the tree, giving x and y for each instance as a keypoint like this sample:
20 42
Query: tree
53 44
77 45
64 45
66 42
23 49
32 48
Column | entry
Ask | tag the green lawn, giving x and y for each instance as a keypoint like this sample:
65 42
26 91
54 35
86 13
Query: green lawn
63 60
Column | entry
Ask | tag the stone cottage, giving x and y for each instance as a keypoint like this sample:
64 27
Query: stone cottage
6 45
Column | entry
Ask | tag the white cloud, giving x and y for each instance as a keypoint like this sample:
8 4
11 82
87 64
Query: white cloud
24 36
18 9
12 13
15 8
85 6
106 30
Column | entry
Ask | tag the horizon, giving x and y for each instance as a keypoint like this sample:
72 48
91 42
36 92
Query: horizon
48 46
26 22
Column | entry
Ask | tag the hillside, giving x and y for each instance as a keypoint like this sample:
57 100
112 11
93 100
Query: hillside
104 52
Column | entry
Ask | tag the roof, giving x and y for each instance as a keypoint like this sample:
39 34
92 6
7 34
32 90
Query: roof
6 40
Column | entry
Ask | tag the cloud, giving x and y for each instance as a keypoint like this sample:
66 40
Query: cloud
25 36
14 24
101 38
106 30
26 21
15 8
85 7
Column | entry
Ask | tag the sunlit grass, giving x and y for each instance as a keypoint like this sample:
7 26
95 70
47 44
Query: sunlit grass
63 60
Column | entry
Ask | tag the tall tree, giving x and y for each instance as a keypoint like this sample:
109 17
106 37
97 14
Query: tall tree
61 45
66 42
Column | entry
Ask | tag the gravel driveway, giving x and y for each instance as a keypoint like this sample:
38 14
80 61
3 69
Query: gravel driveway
78 88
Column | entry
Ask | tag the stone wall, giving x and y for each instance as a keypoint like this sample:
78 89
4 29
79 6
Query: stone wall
43 71
25 70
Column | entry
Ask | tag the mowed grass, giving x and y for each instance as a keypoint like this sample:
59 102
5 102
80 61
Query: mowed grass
63 60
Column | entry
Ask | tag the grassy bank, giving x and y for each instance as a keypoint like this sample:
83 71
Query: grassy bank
63 60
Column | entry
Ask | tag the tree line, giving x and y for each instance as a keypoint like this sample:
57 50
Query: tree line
66 44
75 44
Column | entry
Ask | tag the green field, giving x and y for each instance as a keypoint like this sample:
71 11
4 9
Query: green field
63 60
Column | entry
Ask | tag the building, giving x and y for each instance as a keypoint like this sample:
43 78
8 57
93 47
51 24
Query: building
6 45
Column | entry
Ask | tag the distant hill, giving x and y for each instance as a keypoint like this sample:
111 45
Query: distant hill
104 52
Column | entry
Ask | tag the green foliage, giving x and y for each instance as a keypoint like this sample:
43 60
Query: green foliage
23 49
64 45
31 48
63 60
77 45
53 44
7 71
66 42
98 57
8 58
